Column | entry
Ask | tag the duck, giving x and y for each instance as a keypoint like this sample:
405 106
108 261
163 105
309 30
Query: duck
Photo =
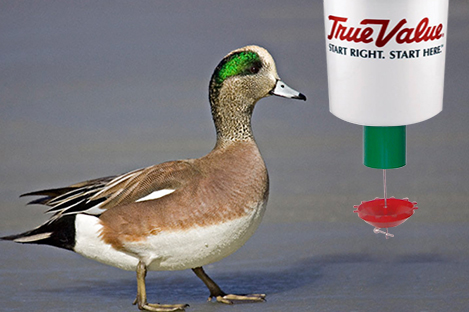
181 214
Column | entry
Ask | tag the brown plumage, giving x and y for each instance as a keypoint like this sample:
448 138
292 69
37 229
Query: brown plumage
218 187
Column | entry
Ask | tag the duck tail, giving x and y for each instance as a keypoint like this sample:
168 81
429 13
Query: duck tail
59 233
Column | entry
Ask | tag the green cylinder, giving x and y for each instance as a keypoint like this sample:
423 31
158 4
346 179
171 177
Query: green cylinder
384 147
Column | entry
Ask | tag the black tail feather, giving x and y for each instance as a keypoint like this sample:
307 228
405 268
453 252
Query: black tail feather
59 233
48 194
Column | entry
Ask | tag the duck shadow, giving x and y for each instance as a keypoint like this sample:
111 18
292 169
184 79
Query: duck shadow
184 285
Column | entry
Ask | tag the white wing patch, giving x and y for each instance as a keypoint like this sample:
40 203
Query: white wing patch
155 195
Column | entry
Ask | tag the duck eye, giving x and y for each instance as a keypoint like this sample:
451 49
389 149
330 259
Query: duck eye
254 69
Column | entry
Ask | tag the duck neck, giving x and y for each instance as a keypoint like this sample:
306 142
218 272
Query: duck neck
232 118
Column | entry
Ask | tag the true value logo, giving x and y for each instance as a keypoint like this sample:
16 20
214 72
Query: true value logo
379 32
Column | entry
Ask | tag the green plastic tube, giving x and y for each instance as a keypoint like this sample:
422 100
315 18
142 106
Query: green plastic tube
384 147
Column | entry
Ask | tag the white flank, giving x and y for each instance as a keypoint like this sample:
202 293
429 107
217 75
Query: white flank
198 246
155 195
169 250
89 244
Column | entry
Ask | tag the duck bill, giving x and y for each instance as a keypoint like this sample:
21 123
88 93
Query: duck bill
281 89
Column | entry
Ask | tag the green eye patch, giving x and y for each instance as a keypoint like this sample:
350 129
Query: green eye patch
240 63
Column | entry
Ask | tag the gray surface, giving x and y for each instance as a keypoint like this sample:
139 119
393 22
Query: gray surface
92 89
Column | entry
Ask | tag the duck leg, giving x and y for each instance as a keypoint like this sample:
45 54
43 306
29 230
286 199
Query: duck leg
141 299
220 295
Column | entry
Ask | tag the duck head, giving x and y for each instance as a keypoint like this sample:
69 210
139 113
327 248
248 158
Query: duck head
242 78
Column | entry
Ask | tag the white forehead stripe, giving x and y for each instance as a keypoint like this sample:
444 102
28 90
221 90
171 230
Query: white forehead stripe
155 195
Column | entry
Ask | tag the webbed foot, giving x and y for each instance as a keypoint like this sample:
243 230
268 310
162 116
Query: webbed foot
230 298
141 300
220 295
156 307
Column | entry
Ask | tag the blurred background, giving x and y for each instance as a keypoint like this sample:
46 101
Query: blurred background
96 88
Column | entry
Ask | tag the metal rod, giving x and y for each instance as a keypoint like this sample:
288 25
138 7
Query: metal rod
385 190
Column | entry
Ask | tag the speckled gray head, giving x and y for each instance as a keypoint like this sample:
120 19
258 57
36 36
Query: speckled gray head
240 80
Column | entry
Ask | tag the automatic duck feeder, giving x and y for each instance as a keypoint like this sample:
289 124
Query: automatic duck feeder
385 65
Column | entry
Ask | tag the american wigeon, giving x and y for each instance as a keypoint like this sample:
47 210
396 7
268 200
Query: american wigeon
180 214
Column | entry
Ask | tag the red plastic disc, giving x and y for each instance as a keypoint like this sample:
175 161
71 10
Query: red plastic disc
396 212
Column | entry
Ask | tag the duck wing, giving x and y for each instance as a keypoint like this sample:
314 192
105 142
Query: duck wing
97 195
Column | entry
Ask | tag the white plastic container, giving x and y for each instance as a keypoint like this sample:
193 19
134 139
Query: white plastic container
385 59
